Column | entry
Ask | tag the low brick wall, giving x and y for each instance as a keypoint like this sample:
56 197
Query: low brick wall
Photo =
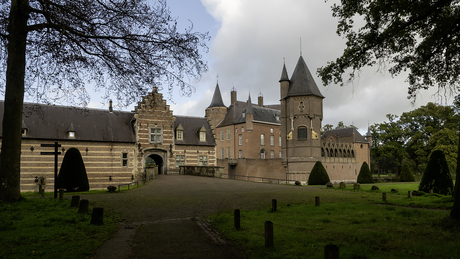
209 171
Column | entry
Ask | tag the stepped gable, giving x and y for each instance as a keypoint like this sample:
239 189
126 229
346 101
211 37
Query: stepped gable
344 135
217 98
53 122
192 126
302 82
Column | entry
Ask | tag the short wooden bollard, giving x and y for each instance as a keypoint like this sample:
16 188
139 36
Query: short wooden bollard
409 194
431 191
74 202
268 234
61 194
331 252
317 202
236 219
384 196
84 207
273 205
97 217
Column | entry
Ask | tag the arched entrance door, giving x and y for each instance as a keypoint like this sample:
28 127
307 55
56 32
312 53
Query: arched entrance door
155 158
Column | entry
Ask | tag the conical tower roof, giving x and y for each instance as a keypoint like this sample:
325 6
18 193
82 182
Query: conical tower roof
217 98
302 82
284 74
249 109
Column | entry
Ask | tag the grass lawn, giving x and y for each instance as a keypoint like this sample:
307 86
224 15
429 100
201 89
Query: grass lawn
357 221
49 228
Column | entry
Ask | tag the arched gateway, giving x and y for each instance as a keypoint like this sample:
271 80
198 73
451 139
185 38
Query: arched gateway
159 156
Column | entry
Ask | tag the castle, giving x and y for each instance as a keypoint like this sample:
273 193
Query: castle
280 141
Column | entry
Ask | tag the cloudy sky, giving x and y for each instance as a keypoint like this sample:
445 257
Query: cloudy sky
250 40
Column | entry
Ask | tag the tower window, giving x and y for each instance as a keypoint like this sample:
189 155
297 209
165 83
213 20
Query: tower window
302 132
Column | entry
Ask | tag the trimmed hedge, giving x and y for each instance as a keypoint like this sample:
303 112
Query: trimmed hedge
406 174
318 175
72 174
437 176
365 175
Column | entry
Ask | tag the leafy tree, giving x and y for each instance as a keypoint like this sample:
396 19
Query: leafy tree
420 37
72 174
318 175
437 176
50 49
406 174
365 175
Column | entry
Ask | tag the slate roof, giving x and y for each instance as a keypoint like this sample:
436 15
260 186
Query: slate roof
267 114
53 122
192 126
302 82
284 74
345 133
217 98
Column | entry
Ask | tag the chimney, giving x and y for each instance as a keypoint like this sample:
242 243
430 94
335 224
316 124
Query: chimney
110 106
233 96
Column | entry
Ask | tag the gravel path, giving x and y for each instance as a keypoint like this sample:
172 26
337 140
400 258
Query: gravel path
164 219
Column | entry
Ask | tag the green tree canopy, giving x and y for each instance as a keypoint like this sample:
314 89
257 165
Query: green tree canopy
365 175
437 176
318 175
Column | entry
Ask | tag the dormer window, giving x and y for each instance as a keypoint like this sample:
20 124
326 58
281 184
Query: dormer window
203 134
71 131
24 132
24 129
180 132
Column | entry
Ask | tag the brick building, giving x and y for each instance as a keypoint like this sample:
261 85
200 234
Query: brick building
116 146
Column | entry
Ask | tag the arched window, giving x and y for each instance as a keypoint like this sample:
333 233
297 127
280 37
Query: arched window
302 132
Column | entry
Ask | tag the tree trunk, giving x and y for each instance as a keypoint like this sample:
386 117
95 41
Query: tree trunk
455 212
10 157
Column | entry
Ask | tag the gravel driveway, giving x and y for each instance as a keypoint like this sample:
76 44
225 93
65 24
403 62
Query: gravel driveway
164 219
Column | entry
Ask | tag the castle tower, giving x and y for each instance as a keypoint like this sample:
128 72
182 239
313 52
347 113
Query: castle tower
249 115
216 111
301 116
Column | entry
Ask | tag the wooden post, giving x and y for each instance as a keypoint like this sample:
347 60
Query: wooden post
236 219
431 191
97 217
74 202
384 196
331 252
84 207
268 234
273 205
61 194
409 194
317 202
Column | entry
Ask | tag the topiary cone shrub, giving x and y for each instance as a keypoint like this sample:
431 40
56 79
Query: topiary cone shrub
72 174
365 175
406 174
437 176
318 175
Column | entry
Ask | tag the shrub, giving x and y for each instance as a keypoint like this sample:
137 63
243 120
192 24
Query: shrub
365 175
437 176
72 174
406 174
318 175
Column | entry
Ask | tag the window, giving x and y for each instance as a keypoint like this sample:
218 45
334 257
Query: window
272 140
180 160
240 140
180 135
279 141
242 129
203 161
24 132
228 134
222 153
262 154
222 135
228 152
203 136
240 153
262 139
71 134
155 135
271 130
302 132
236 130
124 159
272 154
281 154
